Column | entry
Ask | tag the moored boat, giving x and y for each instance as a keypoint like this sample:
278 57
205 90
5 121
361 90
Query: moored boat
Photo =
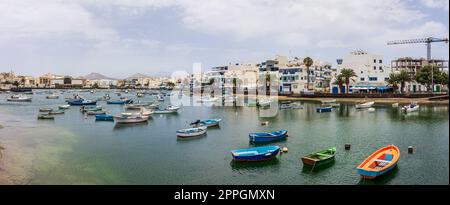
207 122
364 105
324 109
168 110
19 98
268 136
191 132
129 119
319 158
371 109
81 102
95 112
64 106
52 96
45 109
255 154
45 117
413 107
136 105
379 162
56 112
90 108
119 102
395 105
104 117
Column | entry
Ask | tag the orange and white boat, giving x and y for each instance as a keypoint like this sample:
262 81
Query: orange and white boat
380 162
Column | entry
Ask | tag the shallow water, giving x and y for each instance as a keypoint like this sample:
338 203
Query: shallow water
74 149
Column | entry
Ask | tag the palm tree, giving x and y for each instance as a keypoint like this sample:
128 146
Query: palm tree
339 82
308 63
403 77
347 75
393 80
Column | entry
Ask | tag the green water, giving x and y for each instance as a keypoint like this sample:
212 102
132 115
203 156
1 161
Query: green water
74 149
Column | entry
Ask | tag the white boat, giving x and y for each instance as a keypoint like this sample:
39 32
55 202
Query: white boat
45 109
192 132
169 109
371 109
64 106
140 95
160 98
128 119
146 112
395 105
19 98
365 105
411 108
52 96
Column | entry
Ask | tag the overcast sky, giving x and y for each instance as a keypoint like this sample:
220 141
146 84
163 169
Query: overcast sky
121 37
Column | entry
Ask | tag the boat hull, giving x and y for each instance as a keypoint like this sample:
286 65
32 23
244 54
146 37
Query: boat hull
121 120
380 162
257 157
310 162
103 117
261 139
323 109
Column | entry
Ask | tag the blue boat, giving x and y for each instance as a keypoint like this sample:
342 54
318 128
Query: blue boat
207 123
268 136
104 117
81 102
119 102
323 109
255 154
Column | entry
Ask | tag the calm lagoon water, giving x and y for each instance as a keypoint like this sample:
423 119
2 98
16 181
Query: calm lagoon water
74 149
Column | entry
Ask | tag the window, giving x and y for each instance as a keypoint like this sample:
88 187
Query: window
374 60
374 67
362 72
380 61
381 68
362 79
386 79
373 78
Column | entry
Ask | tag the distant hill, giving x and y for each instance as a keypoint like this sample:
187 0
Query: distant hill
97 76
138 75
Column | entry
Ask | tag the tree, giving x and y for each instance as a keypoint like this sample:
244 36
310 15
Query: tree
339 82
308 63
16 83
423 76
393 80
441 78
95 86
403 77
347 75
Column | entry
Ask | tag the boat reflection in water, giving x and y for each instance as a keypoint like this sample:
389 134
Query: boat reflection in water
249 166
119 126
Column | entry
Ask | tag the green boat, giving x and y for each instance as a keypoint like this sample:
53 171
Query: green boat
56 112
319 158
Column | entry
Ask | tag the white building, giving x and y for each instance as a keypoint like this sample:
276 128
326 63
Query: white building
370 69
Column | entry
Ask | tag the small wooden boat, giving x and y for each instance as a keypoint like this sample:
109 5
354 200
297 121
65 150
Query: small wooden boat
324 109
380 162
96 112
268 136
207 123
285 106
90 108
119 102
52 96
45 117
80 102
104 117
168 110
129 119
19 98
64 106
364 105
191 132
264 102
45 109
56 112
255 154
371 109
319 158
411 108
395 105
331 105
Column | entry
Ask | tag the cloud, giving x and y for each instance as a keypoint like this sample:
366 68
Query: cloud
436 4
